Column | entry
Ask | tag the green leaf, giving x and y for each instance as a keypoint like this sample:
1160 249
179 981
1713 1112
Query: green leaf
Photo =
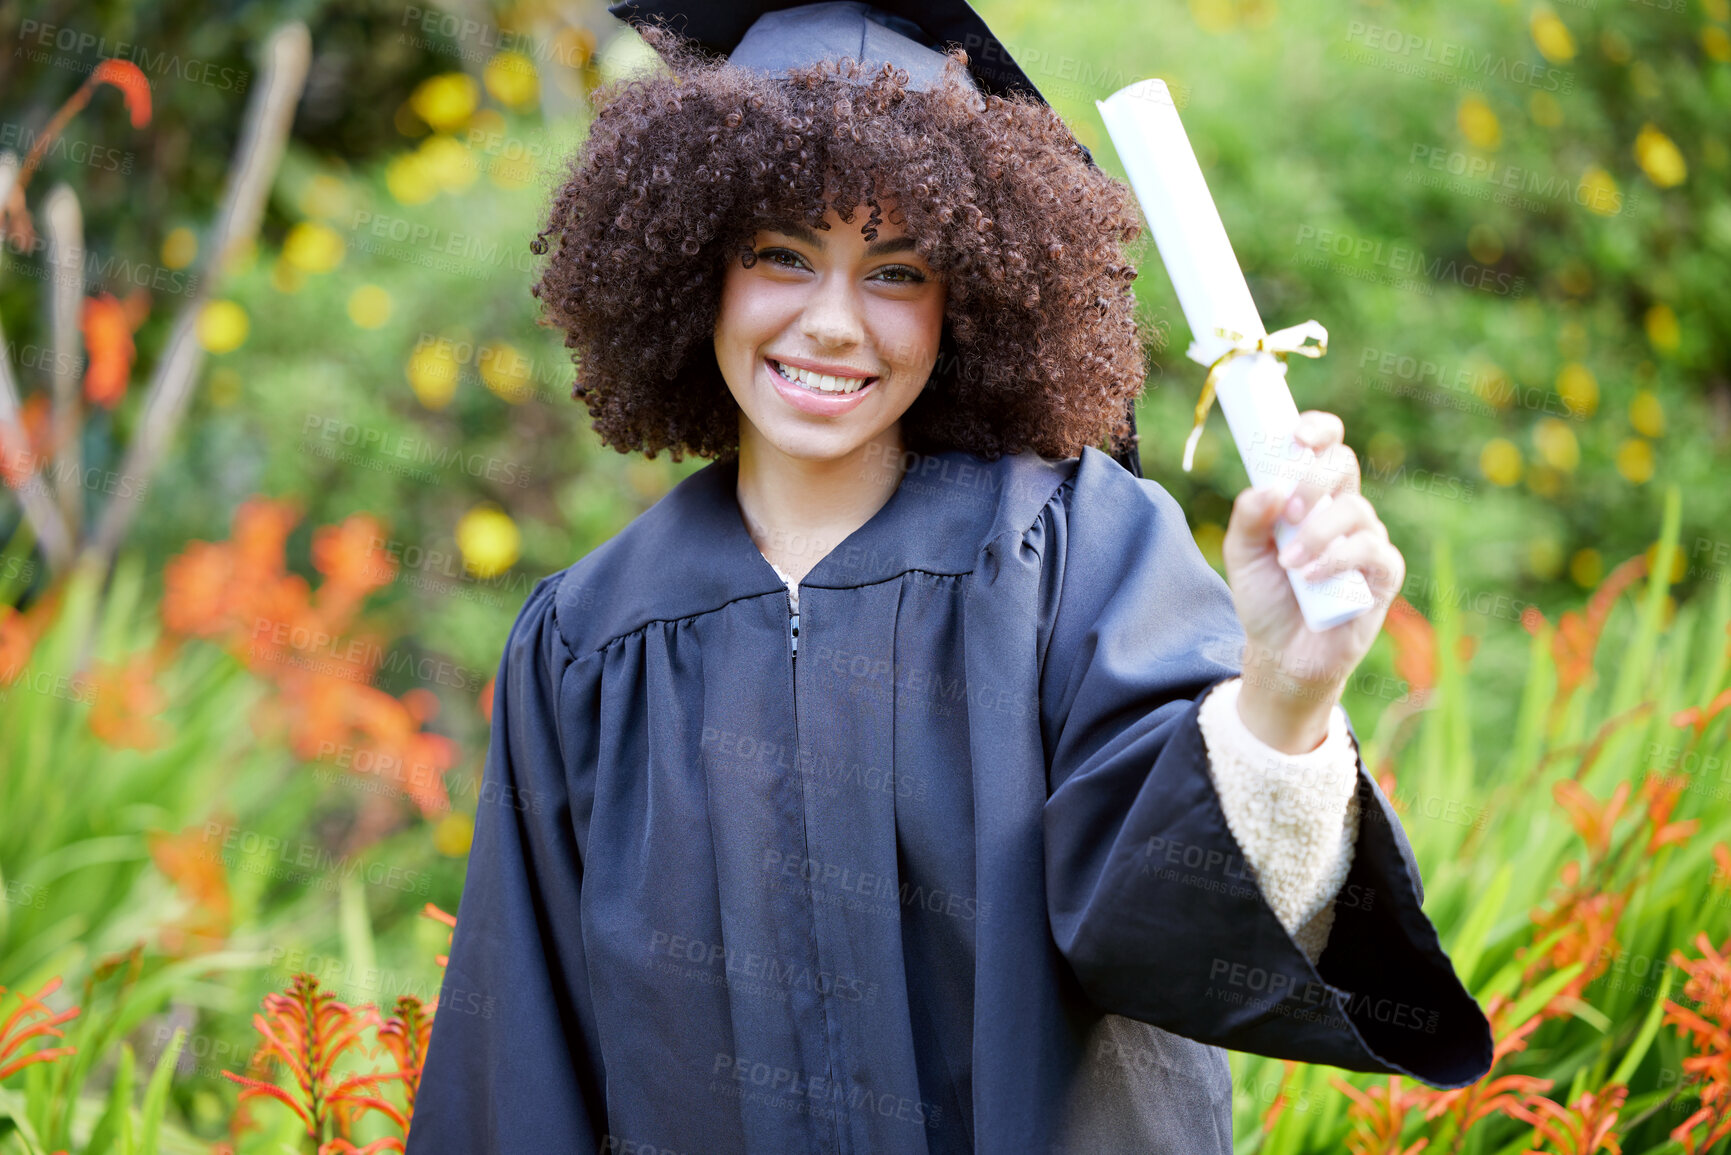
1469 944
156 1095
1530 1003
116 1121
1649 1030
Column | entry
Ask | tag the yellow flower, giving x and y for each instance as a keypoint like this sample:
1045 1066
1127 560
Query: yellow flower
285 278
325 196
1646 414
1635 461
1586 568
1662 328
510 77
1500 461
489 539
222 327
1578 388
1557 444
1214 15
1715 42
313 248
445 101
1543 480
1545 557
505 371
1552 37
1478 123
433 372
179 247
1598 191
409 181
447 162
1209 539
1679 562
453 834
1491 385
369 306
1484 244
1659 157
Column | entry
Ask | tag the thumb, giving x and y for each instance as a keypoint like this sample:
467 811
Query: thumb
1251 528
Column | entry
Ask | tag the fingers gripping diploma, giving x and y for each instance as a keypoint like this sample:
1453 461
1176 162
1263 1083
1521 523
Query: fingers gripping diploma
1293 675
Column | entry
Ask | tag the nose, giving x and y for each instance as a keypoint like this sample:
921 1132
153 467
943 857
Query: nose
832 315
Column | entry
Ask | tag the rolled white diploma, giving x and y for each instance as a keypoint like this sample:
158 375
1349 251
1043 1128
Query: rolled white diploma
1251 387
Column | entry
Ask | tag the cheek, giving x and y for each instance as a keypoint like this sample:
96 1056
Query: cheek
750 313
910 332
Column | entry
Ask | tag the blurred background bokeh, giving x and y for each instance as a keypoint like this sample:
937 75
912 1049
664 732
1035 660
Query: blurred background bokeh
285 448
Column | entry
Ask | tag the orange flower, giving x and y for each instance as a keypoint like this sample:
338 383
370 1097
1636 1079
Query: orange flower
1708 1030
1583 1127
1577 637
1378 1117
108 326
405 1036
310 1031
1589 938
127 702
240 592
1489 1095
350 554
15 220
20 631
449 920
30 1020
189 861
1661 794
486 704
16 643
196 590
1414 646
1590 819
260 536
133 84
1700 717
26 445
1415 656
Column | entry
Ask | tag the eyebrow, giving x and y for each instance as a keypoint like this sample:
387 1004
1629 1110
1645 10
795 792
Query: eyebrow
876 249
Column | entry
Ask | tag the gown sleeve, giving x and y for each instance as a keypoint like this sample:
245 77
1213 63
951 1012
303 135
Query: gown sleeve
504 1070
1150 898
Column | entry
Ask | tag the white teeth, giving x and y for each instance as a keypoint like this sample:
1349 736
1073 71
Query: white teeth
821 381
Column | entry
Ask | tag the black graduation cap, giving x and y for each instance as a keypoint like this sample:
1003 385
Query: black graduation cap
774 35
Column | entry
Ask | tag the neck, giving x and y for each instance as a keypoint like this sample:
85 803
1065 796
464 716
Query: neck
797 509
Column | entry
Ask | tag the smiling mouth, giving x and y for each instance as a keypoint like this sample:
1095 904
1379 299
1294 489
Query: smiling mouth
819 382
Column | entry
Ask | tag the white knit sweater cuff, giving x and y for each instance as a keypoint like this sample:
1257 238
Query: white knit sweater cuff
1295 816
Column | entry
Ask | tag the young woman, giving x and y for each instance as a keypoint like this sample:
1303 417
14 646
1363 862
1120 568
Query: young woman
891 785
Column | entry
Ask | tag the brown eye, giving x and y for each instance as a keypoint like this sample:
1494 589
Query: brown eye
775 256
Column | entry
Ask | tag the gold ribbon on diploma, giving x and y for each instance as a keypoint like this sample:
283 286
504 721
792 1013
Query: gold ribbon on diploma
1280 343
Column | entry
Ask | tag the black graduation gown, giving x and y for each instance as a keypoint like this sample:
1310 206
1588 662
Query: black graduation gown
955 879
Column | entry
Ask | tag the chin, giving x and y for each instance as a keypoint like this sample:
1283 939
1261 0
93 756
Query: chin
812 445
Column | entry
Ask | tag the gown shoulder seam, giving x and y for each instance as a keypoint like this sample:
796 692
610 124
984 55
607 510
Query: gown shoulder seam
614 639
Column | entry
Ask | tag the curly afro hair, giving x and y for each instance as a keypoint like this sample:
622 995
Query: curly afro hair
1040 347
